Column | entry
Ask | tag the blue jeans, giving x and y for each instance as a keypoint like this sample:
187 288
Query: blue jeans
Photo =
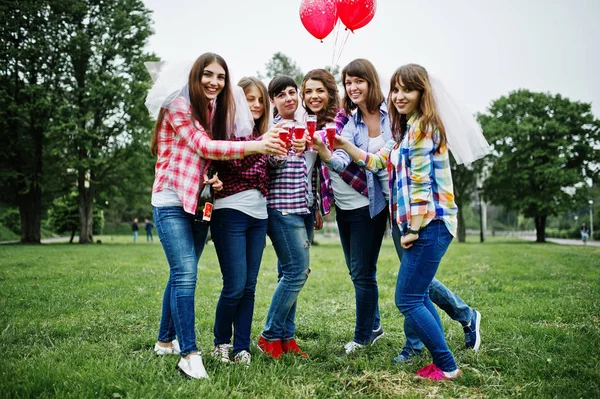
291 236
135 236
439 294
417 270
239 241
361 239
183 240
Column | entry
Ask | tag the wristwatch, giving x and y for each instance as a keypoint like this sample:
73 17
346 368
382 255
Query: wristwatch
411 231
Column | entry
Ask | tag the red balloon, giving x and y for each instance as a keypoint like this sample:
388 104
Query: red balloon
318 17
368 18
356 13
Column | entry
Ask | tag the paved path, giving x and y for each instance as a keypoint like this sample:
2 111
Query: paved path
44 240
562 241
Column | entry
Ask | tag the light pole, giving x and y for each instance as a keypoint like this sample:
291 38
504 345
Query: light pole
482 214
591 220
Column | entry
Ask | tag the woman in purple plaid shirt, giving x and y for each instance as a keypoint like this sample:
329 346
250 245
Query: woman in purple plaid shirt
360 197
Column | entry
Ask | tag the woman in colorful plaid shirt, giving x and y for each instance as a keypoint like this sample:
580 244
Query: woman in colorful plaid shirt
361 197
294 214
422 206
189 130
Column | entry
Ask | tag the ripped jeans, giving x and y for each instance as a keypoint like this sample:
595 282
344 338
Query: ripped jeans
291 236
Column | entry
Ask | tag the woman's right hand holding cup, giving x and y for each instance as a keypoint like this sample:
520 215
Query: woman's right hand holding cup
321 147
272 144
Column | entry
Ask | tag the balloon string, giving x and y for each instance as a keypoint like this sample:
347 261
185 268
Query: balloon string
337 29
342 48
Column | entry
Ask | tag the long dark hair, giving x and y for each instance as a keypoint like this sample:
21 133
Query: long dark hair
364 69
328 112
224 112
415 77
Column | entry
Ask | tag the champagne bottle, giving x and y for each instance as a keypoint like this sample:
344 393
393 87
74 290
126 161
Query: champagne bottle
206 199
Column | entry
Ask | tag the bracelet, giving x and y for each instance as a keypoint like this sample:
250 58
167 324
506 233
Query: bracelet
411 231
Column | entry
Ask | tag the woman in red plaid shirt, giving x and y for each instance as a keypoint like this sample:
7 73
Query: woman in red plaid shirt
190 130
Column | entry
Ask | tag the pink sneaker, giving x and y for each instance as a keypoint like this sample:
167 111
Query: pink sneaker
433 372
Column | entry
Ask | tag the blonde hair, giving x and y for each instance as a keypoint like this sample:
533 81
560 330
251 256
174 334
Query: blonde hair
262 123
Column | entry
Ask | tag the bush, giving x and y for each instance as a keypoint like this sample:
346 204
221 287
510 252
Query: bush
7 235
11 219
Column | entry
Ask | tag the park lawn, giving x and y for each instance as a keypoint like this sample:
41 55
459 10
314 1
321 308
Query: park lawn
80 321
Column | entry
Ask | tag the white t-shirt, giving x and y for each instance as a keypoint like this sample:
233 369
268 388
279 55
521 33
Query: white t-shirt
165 198
251 202
346 197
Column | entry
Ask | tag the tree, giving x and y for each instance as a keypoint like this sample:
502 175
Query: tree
105 124
464 179
63 215
281 64
545 153
29 75
337 74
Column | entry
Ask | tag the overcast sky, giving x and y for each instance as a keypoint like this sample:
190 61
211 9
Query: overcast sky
482 49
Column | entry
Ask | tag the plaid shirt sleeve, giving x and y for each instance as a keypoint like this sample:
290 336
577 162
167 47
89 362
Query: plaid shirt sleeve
181 120
419 155
377 161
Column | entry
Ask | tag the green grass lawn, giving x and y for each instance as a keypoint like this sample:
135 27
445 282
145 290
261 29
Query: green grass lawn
80 321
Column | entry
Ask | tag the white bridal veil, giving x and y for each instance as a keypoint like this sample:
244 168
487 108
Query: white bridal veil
170 82
463 132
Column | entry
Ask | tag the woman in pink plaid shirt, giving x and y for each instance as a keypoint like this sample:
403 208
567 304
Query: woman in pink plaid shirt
189 131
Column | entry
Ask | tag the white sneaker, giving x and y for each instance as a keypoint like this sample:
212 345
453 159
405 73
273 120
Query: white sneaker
173 350
243 357
221 352
351 347
192 367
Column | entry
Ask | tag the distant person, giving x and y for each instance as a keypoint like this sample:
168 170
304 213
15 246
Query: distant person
135 228
585 233
149 227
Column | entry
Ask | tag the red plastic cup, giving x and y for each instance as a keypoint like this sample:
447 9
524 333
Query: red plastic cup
330 135
299 132
285 136
311 127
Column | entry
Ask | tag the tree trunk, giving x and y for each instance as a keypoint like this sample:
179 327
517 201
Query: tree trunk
461 230
72 236
30 205
30 202
540 228
86 209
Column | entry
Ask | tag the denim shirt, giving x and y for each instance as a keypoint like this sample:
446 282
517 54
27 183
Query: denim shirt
357 132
